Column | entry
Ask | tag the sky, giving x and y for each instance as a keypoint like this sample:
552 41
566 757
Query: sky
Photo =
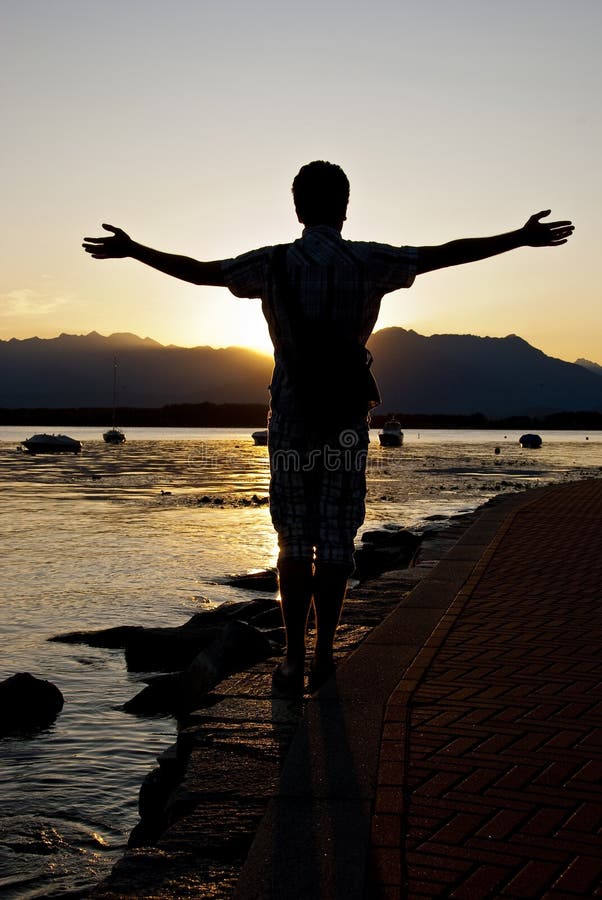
184 123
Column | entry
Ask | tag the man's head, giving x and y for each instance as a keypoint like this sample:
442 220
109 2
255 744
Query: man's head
321 194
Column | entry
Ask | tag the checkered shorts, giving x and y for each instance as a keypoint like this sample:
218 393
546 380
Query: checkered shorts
317 490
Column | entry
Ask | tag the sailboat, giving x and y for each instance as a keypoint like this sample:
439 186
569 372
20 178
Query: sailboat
114 435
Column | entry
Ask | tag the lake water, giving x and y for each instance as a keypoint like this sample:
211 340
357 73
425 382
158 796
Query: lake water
146 533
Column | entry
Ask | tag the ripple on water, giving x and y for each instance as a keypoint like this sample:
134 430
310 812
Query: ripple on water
48 856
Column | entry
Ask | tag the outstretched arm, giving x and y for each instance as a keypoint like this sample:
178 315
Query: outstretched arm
533 234
183 267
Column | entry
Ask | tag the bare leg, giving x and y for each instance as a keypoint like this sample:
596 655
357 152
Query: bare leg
330 585
296 586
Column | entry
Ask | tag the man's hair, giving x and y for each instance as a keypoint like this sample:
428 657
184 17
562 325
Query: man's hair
321 193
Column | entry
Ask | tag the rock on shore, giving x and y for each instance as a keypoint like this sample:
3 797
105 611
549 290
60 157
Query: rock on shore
28 703
234 648
197 655
381 550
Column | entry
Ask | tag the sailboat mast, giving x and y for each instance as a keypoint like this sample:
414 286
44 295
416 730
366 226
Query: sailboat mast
114 389
114 435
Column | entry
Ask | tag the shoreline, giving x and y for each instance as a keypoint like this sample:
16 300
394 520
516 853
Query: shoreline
202 802
255 415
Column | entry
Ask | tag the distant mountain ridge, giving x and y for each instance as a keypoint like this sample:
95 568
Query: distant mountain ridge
588 364
462 373
77 370
447 374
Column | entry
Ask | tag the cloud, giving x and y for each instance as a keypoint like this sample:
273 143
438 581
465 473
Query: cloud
28 302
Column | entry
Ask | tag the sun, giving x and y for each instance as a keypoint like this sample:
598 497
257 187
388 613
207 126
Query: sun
248 329
232 322
223 321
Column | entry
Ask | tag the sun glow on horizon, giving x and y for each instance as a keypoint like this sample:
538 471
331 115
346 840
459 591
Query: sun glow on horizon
241 325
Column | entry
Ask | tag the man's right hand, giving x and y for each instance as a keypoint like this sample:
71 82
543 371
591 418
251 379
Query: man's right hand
546 234
182 267
115 247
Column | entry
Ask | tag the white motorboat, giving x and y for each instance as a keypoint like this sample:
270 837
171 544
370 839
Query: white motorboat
51 443
391 434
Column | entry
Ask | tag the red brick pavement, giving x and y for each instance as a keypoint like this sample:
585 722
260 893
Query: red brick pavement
489 775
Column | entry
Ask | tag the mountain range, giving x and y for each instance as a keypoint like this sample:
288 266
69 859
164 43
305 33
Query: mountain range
445 373
77 371
462 373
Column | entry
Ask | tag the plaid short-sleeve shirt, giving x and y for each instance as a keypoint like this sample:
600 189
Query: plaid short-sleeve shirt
333 279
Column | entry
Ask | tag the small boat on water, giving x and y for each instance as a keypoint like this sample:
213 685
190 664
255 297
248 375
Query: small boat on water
51 443
530 441
114 435
391 434
260 438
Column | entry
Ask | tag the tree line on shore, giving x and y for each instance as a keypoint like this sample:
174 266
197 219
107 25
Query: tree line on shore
254 415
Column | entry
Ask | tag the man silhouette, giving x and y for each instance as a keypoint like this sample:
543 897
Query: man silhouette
321 296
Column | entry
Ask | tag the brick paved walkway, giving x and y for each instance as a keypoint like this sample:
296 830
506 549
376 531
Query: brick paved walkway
490 765
458 751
